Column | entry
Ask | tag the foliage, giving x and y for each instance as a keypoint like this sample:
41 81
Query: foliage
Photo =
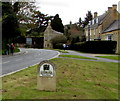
74 38
56 24
31 20
10 25
59 39
96 46
87 19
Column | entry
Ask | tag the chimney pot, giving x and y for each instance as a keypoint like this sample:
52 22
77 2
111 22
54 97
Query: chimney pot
109 9
95 14
114 7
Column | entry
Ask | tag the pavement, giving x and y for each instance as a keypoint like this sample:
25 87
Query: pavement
89 55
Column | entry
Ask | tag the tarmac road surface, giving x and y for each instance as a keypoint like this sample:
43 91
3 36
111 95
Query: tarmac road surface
24 59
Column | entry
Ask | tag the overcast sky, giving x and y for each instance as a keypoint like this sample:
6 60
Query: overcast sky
72 10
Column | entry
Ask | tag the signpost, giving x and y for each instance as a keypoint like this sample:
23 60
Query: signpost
46 76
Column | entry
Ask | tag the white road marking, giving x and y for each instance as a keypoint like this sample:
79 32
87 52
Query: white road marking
5 62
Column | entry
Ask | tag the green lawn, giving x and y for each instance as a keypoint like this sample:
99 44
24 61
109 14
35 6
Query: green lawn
76 56
76 79
110 57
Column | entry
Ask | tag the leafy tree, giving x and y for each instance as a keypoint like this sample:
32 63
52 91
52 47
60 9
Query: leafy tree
10 25
42 19
56 24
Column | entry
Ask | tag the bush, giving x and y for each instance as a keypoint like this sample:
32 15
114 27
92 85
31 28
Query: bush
58 46
95 46
58 39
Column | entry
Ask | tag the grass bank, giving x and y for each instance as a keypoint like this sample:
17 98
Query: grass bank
110 57
76 79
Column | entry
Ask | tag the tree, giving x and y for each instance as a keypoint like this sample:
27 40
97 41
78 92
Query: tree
79 22
56 24
10 25
88 18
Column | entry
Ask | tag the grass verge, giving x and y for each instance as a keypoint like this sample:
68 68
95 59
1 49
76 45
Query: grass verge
15 51
62 51
110 57
76 56
76 79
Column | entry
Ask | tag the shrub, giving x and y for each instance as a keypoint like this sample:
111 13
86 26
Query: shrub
58 39
58 46
95 46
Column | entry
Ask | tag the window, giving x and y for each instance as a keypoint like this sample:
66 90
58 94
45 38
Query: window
93 21
86 32
90 32
97 20
109 37
94 31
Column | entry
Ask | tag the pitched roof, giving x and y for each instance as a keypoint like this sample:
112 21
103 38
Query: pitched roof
115 25
100 20
101 17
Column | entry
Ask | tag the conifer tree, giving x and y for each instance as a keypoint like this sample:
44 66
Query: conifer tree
56 24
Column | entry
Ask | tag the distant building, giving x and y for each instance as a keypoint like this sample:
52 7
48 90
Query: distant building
48 35
72 31
105 27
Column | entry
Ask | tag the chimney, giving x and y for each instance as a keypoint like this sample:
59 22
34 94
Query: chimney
109 9
114 7
95 14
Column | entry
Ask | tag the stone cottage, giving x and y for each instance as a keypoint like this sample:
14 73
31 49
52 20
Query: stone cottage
105 27
48 35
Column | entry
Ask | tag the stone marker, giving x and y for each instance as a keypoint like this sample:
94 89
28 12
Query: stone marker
46 76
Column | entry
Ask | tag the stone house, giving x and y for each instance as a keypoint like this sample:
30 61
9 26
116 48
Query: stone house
104 27
48 35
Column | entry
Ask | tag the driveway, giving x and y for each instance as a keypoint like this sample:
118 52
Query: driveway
24 59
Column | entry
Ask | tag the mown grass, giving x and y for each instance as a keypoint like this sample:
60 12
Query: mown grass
76 56
76 79
110 57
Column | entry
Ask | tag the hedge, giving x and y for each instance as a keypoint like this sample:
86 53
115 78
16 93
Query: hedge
95 46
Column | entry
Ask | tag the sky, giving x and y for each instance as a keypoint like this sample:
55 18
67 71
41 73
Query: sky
72 10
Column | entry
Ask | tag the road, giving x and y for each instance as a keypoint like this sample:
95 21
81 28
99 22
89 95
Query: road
24 59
